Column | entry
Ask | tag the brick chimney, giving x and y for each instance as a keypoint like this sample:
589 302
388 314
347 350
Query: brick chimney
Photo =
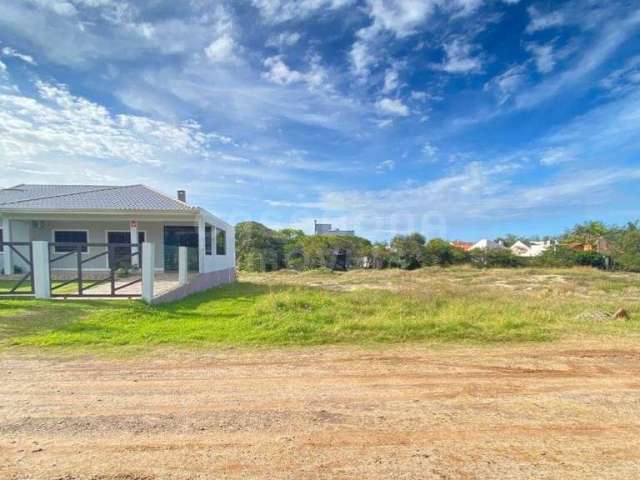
182 195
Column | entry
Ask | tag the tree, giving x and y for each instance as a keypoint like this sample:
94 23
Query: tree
441 252
291 235
258 248
588 232
626 247
408 251
327 251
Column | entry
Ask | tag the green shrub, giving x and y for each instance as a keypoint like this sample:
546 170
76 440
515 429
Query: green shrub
562 256
442 253
495 258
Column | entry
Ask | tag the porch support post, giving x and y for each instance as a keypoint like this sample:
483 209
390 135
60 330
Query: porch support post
40 270
182 265
148 262
6 235
133 229
201 243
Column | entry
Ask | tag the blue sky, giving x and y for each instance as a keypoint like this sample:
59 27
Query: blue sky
456 118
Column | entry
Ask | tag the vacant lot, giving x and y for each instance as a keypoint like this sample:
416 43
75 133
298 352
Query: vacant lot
360 307
442 374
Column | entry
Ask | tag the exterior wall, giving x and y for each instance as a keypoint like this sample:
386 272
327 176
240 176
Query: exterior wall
214 262
486 245
341 233
97 233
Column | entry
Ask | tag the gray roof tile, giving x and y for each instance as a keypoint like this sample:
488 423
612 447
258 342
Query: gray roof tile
88 197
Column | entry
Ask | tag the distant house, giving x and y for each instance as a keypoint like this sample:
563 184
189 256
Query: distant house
600 245
326 229
580 246
486 244
520 249
530 249
460 245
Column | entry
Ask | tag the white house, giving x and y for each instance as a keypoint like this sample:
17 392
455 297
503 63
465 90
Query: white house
131 214
485 244
530 249
520 249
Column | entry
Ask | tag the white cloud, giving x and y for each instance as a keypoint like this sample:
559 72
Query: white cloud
59 122
546 56
54 127
11 52
493 189
543 21
478 191
391 81
386 166
592 137
460 58
507 83
284 39
384 122
594 55
222 50
278 11
278 72
100 30
60 7
401 18
430 151
393 107
625 78
360 54
554 156
543 56
406 17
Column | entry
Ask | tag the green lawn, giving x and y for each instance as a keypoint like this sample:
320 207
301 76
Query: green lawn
72 288
7 285
273 311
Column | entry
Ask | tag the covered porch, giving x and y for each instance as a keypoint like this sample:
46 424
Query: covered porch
206 241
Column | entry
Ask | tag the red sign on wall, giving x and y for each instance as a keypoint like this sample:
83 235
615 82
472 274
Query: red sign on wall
133 224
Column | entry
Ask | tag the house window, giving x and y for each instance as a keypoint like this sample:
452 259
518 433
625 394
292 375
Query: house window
1 240
70 236
141 237
221 242
208 239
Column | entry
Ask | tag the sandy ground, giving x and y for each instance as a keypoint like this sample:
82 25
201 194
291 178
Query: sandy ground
561 411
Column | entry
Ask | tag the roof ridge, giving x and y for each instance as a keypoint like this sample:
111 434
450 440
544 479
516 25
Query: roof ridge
164 195
97 189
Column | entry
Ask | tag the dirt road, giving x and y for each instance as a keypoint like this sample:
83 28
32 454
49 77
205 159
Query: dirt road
559 411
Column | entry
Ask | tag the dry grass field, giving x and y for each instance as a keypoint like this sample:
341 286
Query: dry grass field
432 374
457 305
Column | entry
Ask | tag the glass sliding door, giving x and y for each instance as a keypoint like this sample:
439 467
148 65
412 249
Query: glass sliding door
180 236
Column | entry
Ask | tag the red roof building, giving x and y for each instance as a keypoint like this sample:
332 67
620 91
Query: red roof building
464 246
